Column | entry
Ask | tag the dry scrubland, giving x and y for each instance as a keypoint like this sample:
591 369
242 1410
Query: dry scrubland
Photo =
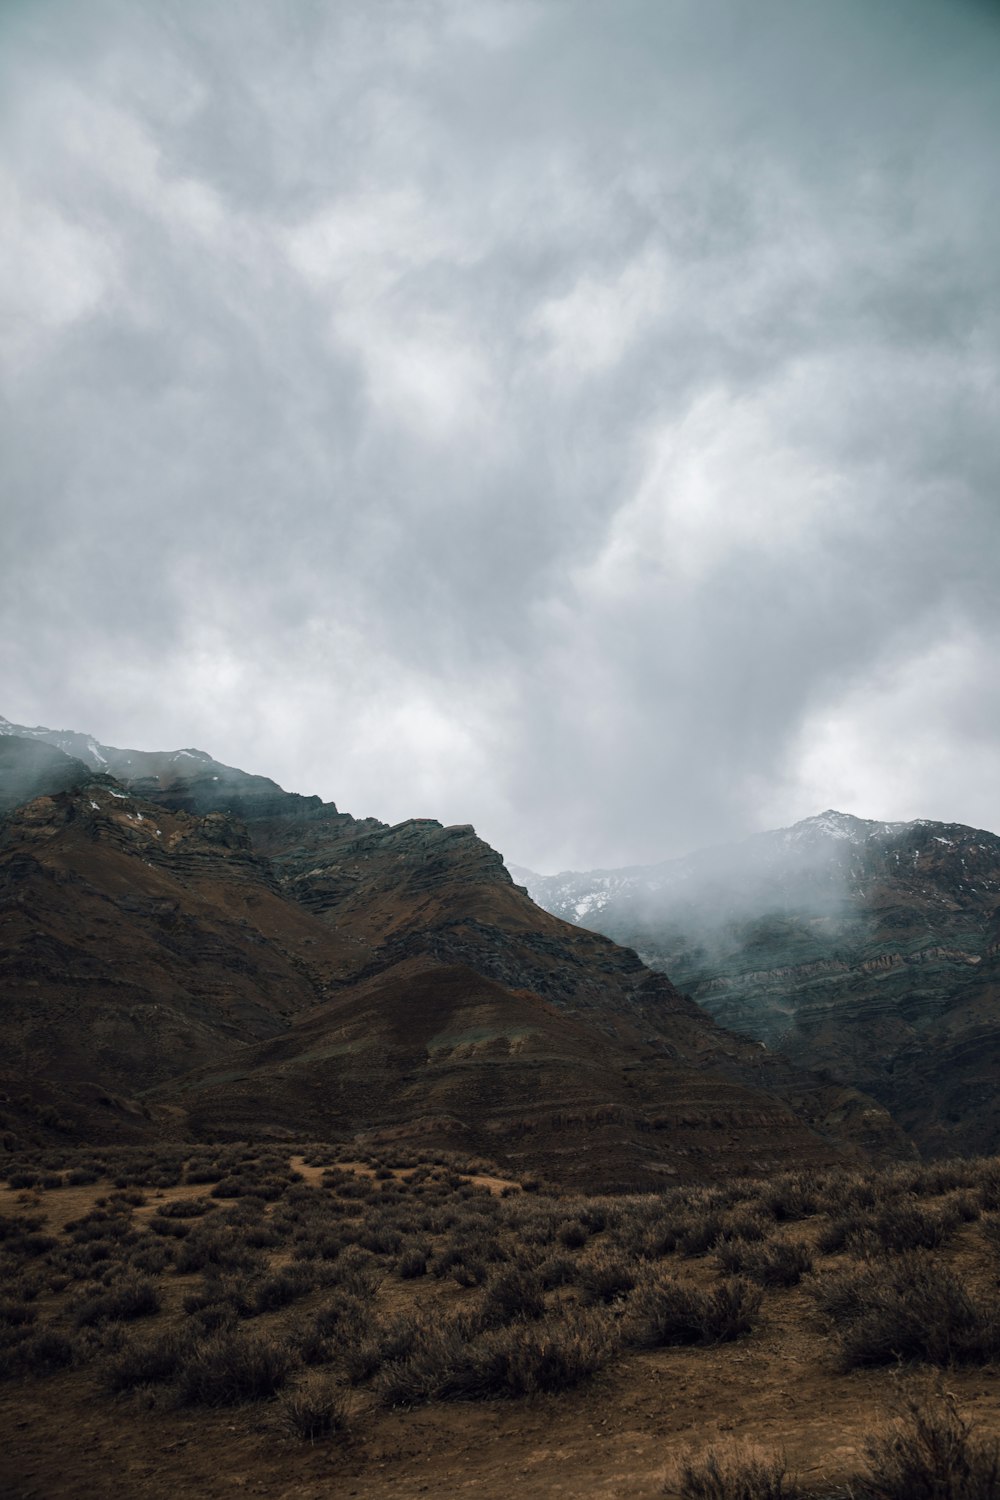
303 1321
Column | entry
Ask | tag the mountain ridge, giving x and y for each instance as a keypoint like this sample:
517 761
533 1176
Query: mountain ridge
224 961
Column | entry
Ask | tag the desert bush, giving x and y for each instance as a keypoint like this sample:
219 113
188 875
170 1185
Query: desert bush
186 1208
733 1474
663 1312
794 1196
987 1184
342 1323
16 1314
47 1352
232 1366
550 1356
13 1230
776 1263
148 1361
908 1309
518 1360
387 1341
223 1298
557 1270
749 1224
930 1454
127 1198
211 1246
573 1235
699 1236
262 1237
281 1288
907 1226
322 1246
991 1233
267 1189
83 1176
356 1273
203 1172
352 1186
314 1410
412 1263
177 1229
151 1259
842 1231
22 1179
514 1292
964 1206
605 1277
131 1297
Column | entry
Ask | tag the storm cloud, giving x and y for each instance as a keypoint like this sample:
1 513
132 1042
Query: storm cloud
578 419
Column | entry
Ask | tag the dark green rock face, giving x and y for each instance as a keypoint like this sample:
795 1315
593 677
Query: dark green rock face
870 951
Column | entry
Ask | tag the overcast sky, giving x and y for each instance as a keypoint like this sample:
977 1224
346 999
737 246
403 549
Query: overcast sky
579 419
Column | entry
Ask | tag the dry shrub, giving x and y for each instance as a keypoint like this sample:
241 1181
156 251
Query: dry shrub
48 1351
132 1297
514 1292
316 1409
606 1277
14 1314
553 1356
557 1270
452 1362
793 1196
186 1208
733 1474
232 1366
412 1263
909 1226
662 1313
908 1309
777 1263
148 1361
698 1236
387 1341
281 1288
930 1454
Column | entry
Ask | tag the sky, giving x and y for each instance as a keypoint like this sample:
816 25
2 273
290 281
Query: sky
574 417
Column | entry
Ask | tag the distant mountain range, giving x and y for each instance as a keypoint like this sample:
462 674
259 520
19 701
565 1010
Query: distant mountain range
869 951
187 949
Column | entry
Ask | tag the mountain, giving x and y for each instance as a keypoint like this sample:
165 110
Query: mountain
188 948
869 951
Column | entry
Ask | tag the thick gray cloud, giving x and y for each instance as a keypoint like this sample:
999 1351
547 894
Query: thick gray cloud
578 419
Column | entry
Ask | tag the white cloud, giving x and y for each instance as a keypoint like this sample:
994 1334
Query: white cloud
588 329
53 272
919 738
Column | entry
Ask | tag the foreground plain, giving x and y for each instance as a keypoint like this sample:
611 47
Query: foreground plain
308 1320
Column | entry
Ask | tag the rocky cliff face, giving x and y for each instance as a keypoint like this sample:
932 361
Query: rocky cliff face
866 950
189 948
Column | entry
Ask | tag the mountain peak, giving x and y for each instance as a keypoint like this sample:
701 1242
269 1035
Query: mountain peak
834 824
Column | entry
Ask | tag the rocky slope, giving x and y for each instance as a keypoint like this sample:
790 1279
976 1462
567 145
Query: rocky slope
296 970
868 950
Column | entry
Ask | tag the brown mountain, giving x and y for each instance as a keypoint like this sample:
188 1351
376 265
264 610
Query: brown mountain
868 950
168 964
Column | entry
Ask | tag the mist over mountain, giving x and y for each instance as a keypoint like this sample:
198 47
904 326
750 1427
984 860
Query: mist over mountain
870 950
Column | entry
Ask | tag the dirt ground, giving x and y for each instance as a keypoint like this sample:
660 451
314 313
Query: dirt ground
615 1438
